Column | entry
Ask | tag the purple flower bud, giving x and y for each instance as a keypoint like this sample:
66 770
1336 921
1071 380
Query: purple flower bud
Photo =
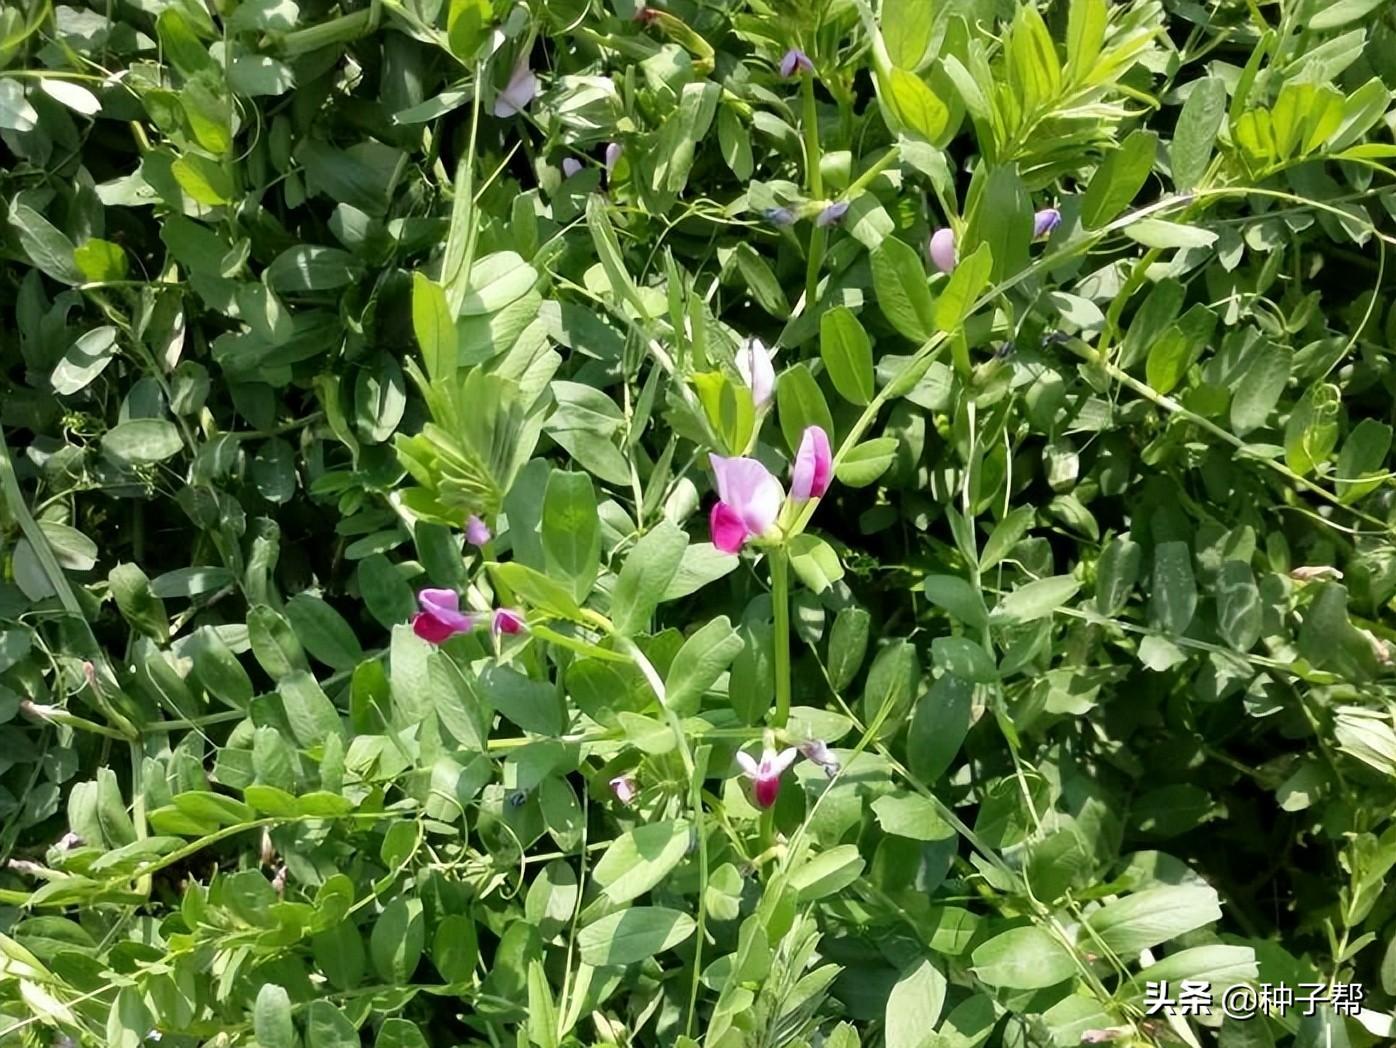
795 61
477 532
570 166
832 213
518 93
613 152
623 786
943 252
816 752
1045 221
779 216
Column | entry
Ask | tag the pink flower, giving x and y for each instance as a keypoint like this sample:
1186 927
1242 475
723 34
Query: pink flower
623 786
766 774
817 752
795 61
1045 221
749 501
754 365
809 478
440 618
507 620
518 93
477 532
943 252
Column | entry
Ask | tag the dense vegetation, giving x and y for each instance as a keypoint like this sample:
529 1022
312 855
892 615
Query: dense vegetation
733 523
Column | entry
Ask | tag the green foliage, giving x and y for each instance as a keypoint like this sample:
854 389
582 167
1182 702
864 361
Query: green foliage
369 672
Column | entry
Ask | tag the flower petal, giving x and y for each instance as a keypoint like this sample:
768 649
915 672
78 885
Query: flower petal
517 94
765 791
728 531
783 759
809 477
748 764
444 606
748 487
507 620
432 629
943 252
757 371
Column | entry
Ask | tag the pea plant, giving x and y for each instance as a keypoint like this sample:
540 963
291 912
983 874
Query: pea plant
723 523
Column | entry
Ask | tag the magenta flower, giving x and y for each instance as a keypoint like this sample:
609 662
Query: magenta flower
943 252
814 461
570 166
623 786
749 501
518 93
507 620
831 214
440 618
1045 221
765 774
754 365
613 152
477 532
795 61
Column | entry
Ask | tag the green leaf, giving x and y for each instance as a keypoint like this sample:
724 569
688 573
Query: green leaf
916 108
1196 132
958 597
847 354
761 279
1116 573
386 593
1364 454
891 683
914 1005
455 947
434 327
1174 596
467 26
1239 611
16 114
306 268
826 873
1022 959
87 358
100 260
939 726
648 570
218 669
730 410
903 294
1145 919
1263 378
327 1027
308 709
967 283
906 27
1005 536
815 562
48 248
640 859
572 530
538 590
142 441
1034 600
1312 430
130 587
1158 233
911 815
271 1016
867 461
800 404
324 632
704 657
1117 180
397 939
1222 966
1341 13
633 935
848 643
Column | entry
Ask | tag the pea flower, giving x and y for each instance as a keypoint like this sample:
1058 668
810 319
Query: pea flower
518 93
779 216
507 620
570 166
817 752
440 618
477 532
755 367
613 152
1045 221
623 786
943 252
765 774
795 61
814 461
749 499
1310 572
831 214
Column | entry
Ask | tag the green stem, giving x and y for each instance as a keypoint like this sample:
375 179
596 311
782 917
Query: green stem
814 180
780 603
